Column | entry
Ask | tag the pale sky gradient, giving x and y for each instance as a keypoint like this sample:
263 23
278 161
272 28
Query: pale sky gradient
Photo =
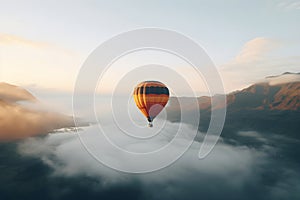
44 43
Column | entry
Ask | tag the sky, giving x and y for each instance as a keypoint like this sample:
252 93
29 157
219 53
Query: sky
44 44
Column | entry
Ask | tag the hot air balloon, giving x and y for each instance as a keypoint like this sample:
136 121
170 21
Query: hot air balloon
151 97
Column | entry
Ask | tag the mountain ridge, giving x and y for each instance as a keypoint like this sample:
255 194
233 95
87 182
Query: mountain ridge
13 93
262 107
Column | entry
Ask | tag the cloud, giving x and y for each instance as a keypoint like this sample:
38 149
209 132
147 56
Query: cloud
257 59
252 134
289 5
65 154
284 78
229 170
38 63
8 39
18 122
255 50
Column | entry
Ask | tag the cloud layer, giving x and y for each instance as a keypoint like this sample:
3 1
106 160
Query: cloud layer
19 121
235 171
189 177
284 78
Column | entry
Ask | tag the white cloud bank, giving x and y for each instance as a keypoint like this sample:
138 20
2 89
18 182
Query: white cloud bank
66 155
289 5
284 78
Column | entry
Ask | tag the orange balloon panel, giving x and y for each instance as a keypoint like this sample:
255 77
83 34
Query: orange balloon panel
151 97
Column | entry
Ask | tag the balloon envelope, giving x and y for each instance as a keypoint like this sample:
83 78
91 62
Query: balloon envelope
151 97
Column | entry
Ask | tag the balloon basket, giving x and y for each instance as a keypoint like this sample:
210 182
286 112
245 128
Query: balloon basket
150 124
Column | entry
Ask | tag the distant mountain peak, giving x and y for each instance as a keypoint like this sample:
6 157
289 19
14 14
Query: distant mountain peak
12 93
284 96
285 73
